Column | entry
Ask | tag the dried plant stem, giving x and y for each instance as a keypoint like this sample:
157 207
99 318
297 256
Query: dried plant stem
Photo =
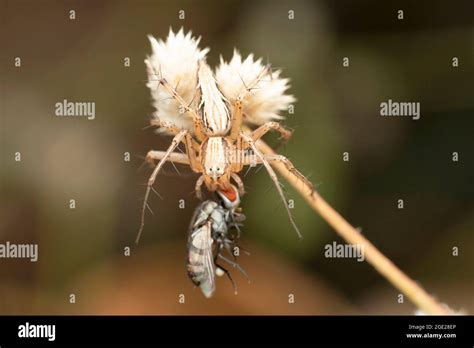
380 262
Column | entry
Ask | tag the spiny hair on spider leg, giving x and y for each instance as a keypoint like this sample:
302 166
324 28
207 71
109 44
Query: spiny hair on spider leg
156 192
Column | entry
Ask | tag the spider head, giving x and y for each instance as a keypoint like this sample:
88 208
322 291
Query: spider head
214 182
215 164
215 171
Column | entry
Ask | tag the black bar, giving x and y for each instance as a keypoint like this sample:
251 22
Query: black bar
138 330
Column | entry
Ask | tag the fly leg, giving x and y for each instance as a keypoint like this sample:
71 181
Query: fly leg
235 265
228 276
236 225
231 250
229 247
236 219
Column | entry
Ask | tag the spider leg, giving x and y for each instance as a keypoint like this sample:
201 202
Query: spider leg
253 85
183 106
189 142
274 178
170 127
191 148
236 119
237 116
175 157
239 183
175 142
198 187
290 167
262 130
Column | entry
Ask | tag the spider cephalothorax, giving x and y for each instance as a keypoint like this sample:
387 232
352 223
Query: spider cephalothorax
207 112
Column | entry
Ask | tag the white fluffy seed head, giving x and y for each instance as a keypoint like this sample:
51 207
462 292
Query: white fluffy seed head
267 99
175 60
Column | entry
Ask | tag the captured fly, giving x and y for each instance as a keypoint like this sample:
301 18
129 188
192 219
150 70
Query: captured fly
214 228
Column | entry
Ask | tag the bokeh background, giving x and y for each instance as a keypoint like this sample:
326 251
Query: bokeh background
81 251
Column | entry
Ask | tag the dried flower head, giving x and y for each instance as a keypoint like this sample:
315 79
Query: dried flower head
268 98
176 60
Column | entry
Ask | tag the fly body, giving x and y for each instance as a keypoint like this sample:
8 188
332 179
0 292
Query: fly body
200 263
210 233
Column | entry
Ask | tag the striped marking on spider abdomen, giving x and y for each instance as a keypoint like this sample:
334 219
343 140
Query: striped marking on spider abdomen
215 113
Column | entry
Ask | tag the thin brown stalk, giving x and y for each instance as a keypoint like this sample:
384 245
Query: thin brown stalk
413 291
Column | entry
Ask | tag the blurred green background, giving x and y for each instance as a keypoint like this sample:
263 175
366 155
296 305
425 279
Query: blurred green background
82 250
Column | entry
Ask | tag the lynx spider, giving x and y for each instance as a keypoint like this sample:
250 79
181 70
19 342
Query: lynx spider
217 133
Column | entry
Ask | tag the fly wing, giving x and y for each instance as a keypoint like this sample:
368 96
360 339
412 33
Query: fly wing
176 61
208 286
209 266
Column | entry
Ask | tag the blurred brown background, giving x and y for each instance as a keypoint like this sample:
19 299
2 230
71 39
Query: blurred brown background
82 250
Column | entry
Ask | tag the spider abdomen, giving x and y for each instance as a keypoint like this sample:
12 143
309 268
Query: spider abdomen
213 106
